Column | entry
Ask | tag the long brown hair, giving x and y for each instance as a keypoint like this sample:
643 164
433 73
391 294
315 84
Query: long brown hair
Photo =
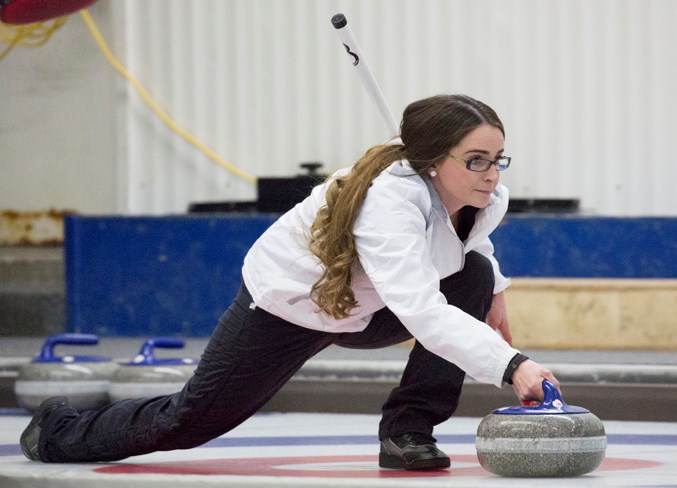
429 129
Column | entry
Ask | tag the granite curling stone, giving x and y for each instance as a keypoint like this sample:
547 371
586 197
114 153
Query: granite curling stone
83 379
546 440
149 376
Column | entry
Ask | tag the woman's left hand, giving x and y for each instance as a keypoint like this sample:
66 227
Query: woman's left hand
497 318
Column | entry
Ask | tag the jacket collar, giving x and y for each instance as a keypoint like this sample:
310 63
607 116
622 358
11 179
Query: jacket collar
486 218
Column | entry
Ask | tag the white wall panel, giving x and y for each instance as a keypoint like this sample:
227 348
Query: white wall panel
585 89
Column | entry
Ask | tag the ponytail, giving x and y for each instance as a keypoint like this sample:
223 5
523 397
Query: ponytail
331 235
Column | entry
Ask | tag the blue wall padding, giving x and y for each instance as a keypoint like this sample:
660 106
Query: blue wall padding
154 276
587 247
137 276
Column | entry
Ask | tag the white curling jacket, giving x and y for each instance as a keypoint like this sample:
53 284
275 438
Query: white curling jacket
406 245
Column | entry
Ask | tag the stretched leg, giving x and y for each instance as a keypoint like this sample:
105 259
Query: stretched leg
431 386
250 356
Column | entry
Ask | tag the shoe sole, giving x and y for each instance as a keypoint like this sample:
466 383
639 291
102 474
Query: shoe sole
394 462
30 437
31 434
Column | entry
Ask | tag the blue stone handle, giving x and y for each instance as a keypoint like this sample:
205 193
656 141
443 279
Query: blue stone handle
550 394
552 403
47 352
147 355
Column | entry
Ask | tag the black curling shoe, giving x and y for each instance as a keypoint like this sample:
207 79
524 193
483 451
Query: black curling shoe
412 451
31 435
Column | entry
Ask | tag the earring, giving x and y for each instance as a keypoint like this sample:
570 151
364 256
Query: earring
433 173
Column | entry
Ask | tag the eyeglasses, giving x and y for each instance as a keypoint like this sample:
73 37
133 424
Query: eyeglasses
479 165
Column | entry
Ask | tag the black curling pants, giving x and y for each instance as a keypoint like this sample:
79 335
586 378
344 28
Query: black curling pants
250 356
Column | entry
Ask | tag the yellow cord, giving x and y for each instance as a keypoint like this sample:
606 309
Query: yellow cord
154 106
37 34
28 35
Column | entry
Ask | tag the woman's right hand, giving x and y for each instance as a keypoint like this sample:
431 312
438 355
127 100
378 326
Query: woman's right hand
527 380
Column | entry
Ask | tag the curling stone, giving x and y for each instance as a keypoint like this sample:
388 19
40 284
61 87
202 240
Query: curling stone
546 440
83 379
148 376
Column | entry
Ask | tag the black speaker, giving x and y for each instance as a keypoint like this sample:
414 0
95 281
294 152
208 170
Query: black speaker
281 194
